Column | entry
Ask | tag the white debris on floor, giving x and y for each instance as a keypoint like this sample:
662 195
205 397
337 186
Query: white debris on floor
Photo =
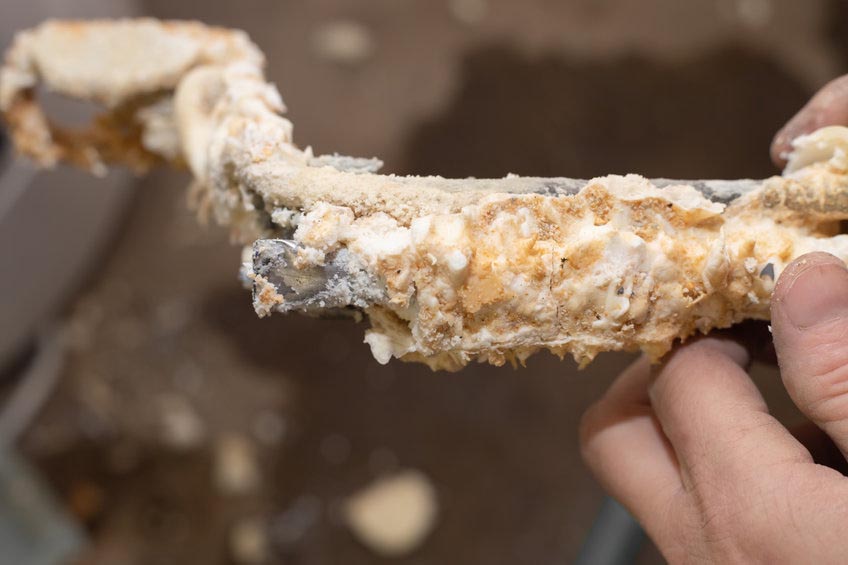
469 12
343 42
393 515
753 14
182 428
236 470
249 542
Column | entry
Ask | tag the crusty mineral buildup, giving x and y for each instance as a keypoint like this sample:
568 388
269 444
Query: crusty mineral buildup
447 271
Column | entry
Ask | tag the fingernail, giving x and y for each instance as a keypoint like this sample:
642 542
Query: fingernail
817 293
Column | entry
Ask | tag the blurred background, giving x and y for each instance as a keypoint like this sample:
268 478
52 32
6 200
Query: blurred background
159 421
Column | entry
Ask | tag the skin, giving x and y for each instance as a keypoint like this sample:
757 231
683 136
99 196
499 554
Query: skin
828 107
689 446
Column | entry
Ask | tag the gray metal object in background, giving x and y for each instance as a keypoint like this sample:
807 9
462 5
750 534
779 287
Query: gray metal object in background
52 226
34 529
52 223
615 538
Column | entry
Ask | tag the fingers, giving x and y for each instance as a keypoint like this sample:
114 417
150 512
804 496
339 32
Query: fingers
623 445
821 447
701 402
827 108
754 336
715 417
810 324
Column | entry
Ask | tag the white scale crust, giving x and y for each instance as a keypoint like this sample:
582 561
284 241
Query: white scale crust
481 270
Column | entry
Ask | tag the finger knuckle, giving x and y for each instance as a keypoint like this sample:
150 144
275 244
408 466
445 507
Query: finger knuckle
730 525
830 403
695 354
821 379
828 351
833 91
672 387
592 423
839 84
588 428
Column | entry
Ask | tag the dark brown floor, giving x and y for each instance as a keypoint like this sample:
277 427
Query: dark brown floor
575 88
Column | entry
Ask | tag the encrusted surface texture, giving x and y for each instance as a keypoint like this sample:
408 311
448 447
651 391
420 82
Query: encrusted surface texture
447 271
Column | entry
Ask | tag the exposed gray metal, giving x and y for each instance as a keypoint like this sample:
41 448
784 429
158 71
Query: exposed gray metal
347 164
723 191
340 283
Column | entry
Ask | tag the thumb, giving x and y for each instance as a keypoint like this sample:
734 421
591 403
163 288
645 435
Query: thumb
809 313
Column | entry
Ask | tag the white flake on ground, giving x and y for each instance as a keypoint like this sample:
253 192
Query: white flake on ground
249 542
235 470
182 428
469 12
393 515
343 42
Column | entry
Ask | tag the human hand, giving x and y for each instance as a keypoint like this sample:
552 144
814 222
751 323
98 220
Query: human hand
829 107
690 448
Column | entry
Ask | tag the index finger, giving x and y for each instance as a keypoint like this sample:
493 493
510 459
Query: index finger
624 447
714 416
829 107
